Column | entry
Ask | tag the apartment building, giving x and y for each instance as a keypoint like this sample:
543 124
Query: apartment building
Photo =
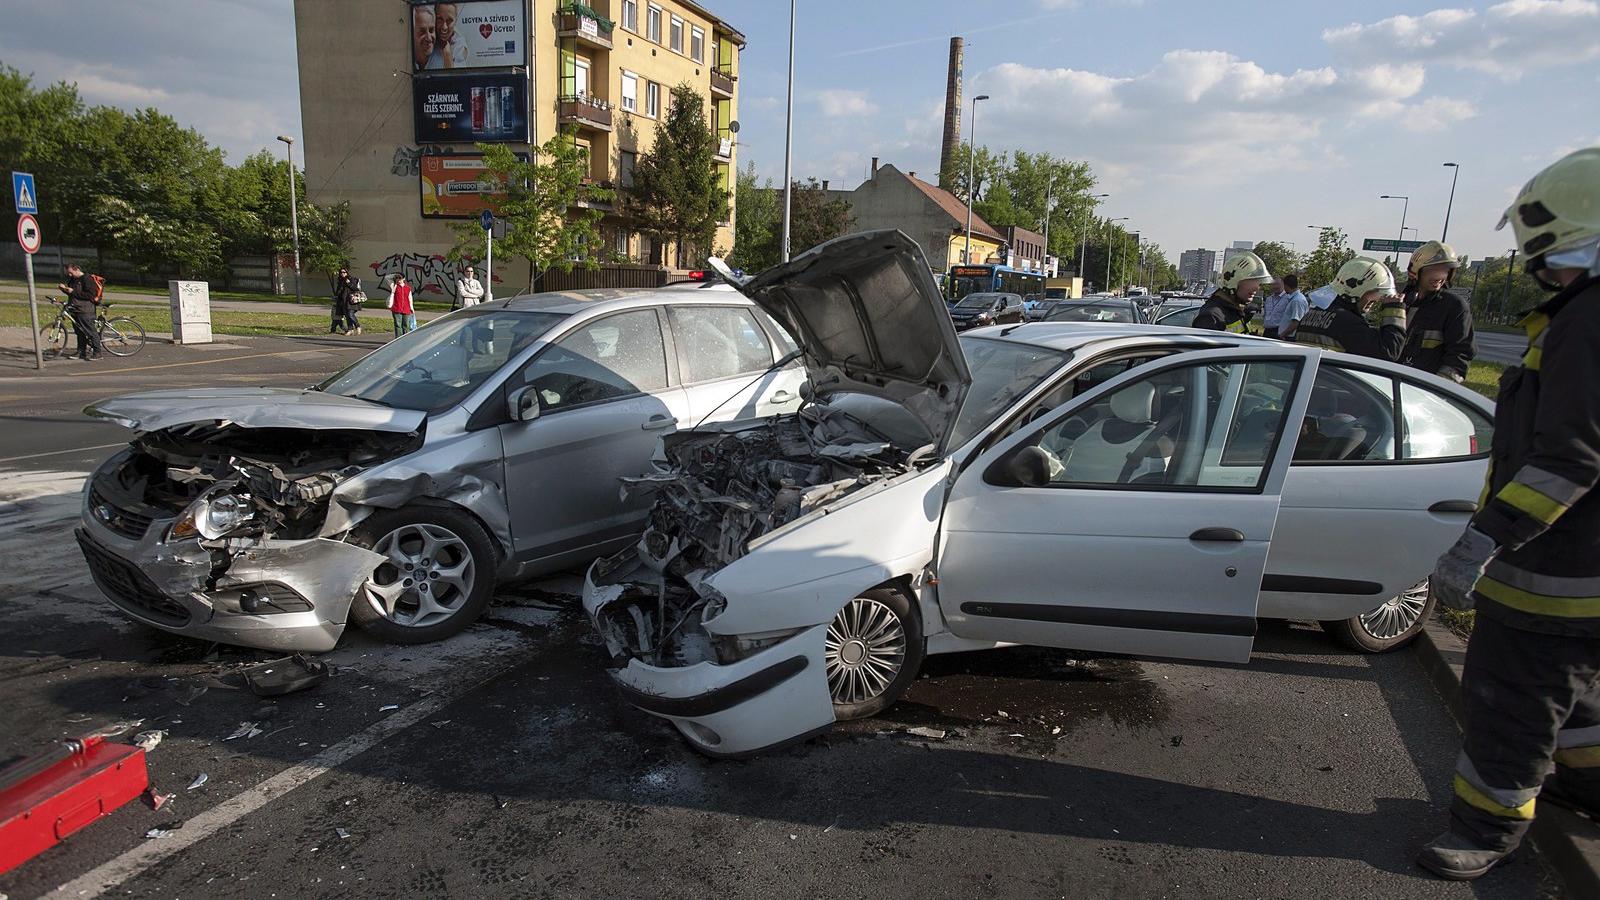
394 97
1195 266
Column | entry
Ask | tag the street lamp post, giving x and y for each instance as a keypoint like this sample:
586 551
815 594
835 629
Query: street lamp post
1083 248
788 145
972 154
294 212
1109 222
1405 208
1454 173
1044 258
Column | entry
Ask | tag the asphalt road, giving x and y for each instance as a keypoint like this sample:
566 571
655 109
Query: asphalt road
1496 347
501 762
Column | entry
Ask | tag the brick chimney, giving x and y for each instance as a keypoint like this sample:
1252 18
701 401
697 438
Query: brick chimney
824 184
874 167
952 109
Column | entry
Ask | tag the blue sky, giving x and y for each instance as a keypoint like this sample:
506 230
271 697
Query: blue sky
1208 122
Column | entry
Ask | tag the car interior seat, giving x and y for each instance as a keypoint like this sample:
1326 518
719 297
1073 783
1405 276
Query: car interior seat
1102 453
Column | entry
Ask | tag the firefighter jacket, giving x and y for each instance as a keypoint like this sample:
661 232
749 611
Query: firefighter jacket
1439 337
1342 327
1223 311
1539 504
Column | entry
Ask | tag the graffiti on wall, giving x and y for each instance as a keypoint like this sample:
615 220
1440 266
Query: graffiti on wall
428 273
408 160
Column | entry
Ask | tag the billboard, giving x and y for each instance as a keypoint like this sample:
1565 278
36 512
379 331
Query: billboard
471 108
471 34
451 184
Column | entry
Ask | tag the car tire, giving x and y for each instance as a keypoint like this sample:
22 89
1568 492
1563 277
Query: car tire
1392 625
451 547
874 649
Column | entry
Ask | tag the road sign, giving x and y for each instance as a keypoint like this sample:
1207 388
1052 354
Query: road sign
1386 245
22 189
486 219
28 234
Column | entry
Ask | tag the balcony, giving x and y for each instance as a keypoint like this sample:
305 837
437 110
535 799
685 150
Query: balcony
585 112
722 83
584 25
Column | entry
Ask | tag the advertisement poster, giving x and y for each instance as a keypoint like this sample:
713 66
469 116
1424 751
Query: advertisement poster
451 186
471 108
472 34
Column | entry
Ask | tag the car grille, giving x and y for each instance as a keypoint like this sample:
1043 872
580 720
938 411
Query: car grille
130 588
126 522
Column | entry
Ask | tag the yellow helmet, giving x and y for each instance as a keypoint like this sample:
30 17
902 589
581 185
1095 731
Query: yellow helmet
1243 266
1433 253
1560 207
1362 275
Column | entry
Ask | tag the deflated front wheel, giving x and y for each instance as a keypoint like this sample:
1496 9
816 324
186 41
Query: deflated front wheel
436 579
872 652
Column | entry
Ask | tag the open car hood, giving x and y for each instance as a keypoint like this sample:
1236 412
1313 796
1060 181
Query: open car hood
870 320
252 407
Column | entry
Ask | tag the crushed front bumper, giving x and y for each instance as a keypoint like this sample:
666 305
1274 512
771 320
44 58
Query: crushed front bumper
300 590
775 696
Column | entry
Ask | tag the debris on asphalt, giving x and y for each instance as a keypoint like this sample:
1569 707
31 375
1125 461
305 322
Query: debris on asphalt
148 740
190 693
161 831
111 731
1056 730
921 731
155 800
389 707
440 724
1177 740
501 802
288 675
1004 714
342 833
245 730
200 779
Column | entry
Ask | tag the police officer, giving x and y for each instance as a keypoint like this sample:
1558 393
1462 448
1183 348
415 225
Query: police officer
1530 559
1226 308
1360 284
1439 320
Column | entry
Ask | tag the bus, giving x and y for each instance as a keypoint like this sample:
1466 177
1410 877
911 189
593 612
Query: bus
988 278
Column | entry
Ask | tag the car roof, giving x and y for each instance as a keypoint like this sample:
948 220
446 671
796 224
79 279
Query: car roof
613 299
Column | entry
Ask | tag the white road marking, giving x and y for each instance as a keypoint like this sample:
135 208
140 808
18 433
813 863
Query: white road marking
115 871
59 452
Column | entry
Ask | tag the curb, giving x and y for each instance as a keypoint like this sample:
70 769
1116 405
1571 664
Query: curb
1570 842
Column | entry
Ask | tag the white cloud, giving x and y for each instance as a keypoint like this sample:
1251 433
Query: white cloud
836 102
1507 39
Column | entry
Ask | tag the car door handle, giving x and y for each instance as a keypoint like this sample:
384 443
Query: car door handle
1454 506
1232 535
781 397
658 422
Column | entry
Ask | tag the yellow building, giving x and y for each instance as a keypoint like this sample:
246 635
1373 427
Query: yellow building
393 97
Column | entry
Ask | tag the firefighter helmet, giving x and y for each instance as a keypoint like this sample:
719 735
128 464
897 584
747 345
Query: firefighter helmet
1243 266
1361 276
1560 207
1433 253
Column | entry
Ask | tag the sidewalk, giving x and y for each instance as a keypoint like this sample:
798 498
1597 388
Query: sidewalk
12 293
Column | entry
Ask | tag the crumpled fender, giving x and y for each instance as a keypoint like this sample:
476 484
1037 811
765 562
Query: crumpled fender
468 472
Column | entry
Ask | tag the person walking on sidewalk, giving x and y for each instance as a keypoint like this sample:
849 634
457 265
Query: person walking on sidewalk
405 314
83 295
469 290
1530 558
345 287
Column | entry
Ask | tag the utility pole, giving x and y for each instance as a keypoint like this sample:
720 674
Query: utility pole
1454 174
1403 210
972 156
1511 267
1107 286
788 146
1044 260
294 212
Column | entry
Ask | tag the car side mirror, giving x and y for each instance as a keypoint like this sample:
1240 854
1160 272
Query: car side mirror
1029 467
522 404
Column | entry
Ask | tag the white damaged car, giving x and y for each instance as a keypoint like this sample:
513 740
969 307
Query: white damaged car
1120 489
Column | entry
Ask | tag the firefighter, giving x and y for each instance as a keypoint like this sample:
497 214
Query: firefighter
1226 308
1360 284
1530 559
1439 320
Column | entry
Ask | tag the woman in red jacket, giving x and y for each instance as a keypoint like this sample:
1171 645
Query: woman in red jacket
405 315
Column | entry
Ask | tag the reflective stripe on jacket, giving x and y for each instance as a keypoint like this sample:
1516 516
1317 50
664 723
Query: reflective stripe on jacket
1439 338
1343 328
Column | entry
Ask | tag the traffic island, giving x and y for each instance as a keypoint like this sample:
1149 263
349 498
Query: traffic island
1569 841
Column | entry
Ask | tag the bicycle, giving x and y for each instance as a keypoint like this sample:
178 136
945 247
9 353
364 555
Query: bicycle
119 335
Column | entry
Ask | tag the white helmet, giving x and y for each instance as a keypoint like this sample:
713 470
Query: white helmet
1243 266
1361 276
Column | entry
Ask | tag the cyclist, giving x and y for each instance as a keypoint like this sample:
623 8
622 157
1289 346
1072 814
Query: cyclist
83 295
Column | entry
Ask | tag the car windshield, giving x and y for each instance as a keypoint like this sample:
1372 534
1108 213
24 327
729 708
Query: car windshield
1105 311
437 366
977 301
1002 371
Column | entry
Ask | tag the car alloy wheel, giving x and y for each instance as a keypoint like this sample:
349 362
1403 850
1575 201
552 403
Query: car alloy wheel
864 651
1397 615
427 577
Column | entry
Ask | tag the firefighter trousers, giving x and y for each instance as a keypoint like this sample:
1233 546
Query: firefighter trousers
1528 699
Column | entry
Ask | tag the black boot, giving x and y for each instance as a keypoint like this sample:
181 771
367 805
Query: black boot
1457 858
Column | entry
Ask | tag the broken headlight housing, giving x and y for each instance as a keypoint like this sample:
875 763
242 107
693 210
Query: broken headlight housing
214 516
735 647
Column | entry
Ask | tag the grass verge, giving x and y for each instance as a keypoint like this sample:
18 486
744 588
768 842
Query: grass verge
158 319
1484 377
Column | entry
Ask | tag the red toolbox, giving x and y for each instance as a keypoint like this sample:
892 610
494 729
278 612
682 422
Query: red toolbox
44 799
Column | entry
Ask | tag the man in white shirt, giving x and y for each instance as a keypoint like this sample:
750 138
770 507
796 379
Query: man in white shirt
469 291
1295 305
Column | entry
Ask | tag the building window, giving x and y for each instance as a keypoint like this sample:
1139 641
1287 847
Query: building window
652 23
630 15
652 99
583 160
630 92
626 160
620 236
580 77
676 35
697 44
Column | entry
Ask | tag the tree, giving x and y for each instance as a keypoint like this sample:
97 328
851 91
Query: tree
1496 299
1324 262
997 207
1158 272
1034 177
814 217
1279 258
676 193
987 168
755 232
540 206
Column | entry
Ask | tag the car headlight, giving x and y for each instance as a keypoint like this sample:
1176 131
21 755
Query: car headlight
213 517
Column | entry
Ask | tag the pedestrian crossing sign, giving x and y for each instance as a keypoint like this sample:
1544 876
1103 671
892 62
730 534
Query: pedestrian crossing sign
22 188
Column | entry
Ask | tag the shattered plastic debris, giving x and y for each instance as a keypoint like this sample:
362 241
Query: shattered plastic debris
161 831
190 693
245 730
920 731
276 677
148 740
342 833
155 800
389 707
200 779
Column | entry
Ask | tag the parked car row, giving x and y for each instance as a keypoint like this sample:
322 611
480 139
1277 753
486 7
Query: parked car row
821 485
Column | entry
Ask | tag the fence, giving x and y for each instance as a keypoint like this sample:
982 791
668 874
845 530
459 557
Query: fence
245 273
